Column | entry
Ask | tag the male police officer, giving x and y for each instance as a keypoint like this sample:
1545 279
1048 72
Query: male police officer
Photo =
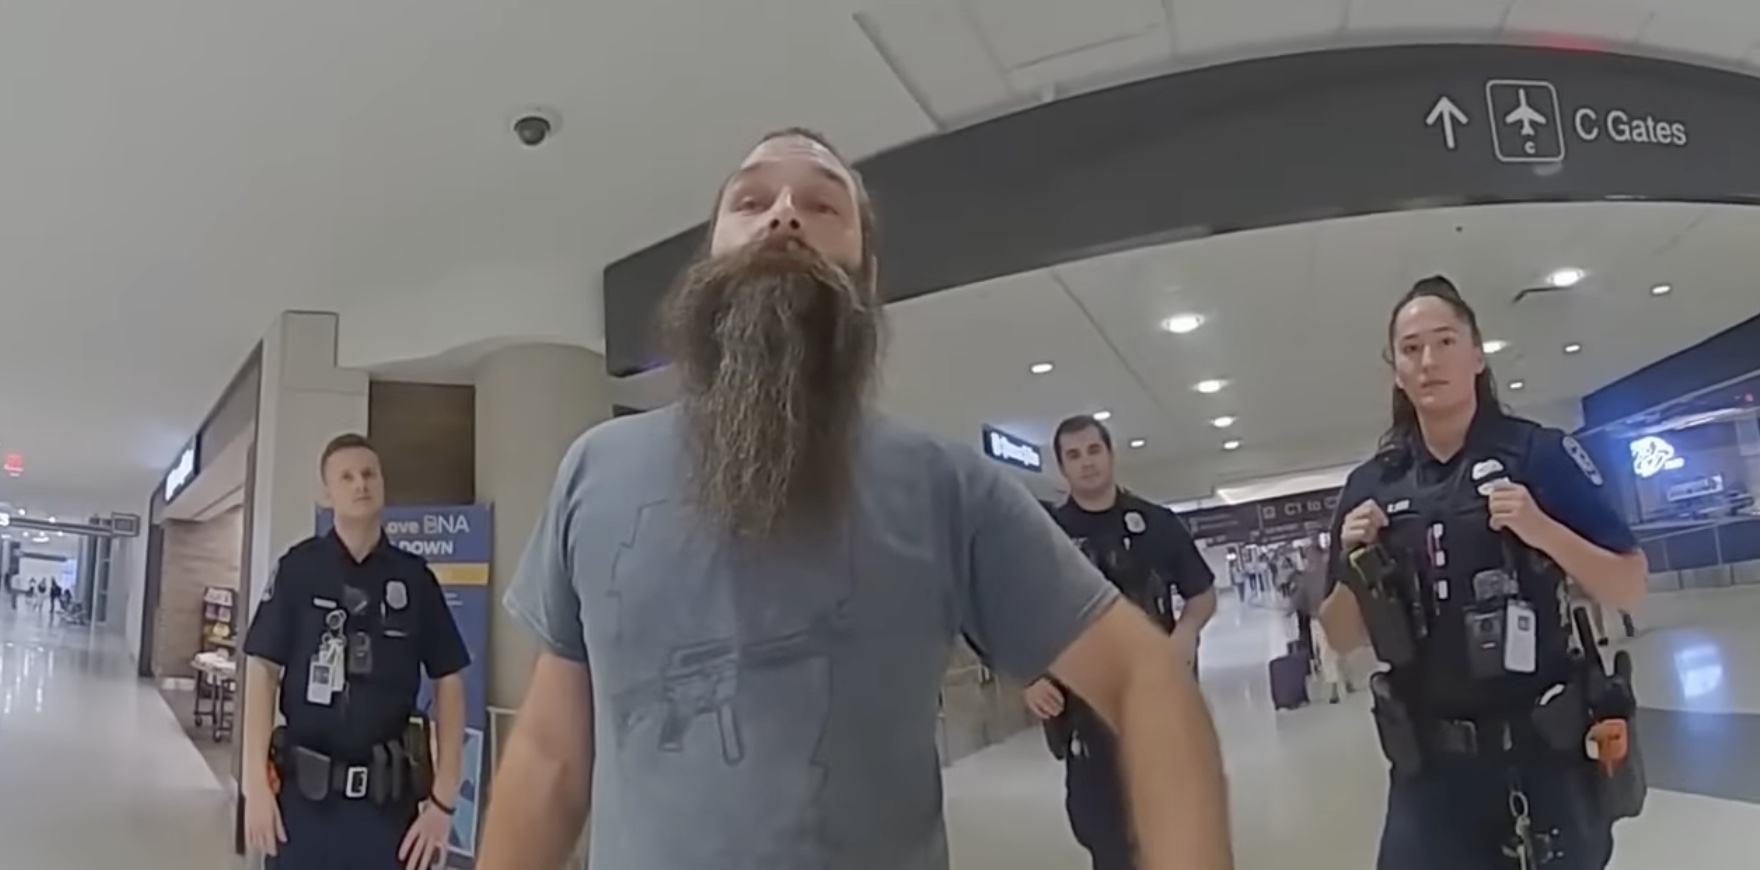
1148 554
344 631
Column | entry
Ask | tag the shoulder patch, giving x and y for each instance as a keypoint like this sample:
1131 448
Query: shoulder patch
1581 458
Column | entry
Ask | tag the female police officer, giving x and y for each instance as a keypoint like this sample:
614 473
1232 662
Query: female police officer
1455 542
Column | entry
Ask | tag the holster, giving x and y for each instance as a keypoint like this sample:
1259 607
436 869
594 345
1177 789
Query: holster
310 771
1624 789
1610 696
419 750
1396 728
1383 598
1058 732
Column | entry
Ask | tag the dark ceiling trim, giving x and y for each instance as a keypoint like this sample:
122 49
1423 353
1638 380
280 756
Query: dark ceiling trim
1271 141
1710 375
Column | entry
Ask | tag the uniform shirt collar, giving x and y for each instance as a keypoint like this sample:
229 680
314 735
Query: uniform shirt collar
1485 422
1118 501
341 549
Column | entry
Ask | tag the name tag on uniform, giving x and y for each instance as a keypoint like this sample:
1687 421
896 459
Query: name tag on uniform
1519 652
324 676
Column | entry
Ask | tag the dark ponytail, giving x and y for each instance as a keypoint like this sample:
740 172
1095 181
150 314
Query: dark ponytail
1404 423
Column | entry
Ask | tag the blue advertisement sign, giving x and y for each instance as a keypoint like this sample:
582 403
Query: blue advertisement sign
457 541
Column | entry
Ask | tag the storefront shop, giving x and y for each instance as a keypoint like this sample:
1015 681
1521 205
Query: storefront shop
197 544
1679 446
247 487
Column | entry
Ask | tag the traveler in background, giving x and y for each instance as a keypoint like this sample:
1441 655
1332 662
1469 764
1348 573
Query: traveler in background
746 601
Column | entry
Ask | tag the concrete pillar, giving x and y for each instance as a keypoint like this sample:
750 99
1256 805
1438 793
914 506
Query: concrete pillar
532 402
304 400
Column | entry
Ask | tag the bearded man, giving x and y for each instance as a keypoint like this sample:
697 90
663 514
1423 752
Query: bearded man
746 601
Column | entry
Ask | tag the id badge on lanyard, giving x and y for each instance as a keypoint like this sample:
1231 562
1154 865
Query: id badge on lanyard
325 672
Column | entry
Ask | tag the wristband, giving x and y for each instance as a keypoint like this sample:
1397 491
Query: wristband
442 807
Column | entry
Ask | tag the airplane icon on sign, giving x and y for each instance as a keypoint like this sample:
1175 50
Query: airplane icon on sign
1530 124
1524 114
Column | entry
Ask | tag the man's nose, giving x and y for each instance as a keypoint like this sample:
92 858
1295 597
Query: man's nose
784 217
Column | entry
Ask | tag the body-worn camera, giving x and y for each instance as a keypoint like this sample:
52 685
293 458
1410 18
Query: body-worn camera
1487 624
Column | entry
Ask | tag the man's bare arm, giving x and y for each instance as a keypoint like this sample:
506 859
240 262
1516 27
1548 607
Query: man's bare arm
1124 667
543 787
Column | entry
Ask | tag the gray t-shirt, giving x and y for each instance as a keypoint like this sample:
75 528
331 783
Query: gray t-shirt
780 713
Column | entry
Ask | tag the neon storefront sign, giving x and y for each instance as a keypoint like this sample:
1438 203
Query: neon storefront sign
1652 455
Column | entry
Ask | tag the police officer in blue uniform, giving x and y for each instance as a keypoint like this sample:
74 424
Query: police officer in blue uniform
342 637
1454 545
1146 551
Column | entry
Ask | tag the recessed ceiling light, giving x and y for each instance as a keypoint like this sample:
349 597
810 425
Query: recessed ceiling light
1102 416
1138 442
1662 290
1573 347
1565 277
1213 385
1516 385
1180 324
1231 445
1222 422
1495 345
1042 368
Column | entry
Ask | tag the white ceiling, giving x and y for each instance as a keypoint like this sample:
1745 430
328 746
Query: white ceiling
1296 320
176 172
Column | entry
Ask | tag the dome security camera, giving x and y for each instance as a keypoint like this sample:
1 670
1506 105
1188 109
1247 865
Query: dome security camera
534 127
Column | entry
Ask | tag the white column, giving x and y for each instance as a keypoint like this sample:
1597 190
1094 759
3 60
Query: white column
304 400
533 401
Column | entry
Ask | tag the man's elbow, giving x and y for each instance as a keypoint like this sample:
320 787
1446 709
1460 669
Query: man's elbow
1633 581
1153 674
1204 602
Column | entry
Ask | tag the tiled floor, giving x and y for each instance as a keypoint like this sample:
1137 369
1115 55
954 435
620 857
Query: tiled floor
99 774
96 771
1307 787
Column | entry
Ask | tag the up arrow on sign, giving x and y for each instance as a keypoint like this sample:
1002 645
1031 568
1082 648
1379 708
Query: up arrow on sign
1446 113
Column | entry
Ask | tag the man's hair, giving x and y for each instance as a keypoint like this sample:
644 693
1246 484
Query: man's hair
345 441
1079 423
864 202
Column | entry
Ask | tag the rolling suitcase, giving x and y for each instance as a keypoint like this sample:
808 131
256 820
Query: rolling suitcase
1289 681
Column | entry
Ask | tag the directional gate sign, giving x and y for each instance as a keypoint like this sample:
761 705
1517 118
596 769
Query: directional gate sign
1270 141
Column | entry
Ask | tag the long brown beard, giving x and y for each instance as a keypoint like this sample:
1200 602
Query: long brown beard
777 349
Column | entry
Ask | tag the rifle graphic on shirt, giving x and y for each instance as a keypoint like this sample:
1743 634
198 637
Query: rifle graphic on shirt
702 679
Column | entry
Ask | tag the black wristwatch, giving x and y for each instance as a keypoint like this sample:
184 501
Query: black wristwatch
441 806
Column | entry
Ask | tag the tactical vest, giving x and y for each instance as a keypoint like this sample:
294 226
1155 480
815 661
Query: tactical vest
1128 562
1438 531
